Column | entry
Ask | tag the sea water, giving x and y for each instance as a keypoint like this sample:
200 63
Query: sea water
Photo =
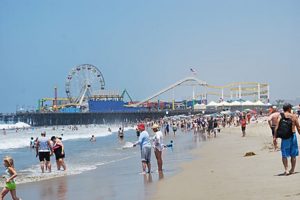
81 154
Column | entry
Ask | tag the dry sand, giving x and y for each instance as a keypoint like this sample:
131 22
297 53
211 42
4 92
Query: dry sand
222 172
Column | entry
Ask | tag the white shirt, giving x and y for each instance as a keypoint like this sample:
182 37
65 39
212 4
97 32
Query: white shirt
158 140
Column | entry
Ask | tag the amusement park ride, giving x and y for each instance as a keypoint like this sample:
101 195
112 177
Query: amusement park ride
85 91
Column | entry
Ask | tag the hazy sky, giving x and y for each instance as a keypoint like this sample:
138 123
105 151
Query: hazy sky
145 46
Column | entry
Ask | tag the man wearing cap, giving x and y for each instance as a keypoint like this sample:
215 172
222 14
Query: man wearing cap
289 147
144 142
158 146
273 119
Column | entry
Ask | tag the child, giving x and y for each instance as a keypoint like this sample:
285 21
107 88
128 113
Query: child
11 173
169 145
243 124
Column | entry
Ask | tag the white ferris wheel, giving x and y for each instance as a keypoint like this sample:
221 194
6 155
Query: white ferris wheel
83 82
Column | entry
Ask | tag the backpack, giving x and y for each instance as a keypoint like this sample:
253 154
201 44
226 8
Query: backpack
284 130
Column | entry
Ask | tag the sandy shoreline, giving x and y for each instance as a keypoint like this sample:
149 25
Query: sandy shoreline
222 172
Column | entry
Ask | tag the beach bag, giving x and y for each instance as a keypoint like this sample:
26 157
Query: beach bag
284 130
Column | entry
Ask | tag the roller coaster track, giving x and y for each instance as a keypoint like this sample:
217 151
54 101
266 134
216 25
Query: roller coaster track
227 95
248 89
235 84
178 83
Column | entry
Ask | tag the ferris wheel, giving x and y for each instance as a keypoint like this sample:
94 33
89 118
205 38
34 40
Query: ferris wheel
83 82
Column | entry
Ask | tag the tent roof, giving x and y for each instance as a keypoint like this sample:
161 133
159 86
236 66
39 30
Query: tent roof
224 103
212 103
259 103
235 103
248 103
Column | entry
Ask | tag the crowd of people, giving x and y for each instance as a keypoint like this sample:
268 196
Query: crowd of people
282 124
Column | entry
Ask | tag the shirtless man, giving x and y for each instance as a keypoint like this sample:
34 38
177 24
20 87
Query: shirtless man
289 147
273 119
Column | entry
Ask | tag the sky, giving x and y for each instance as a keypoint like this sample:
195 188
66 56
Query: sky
144 46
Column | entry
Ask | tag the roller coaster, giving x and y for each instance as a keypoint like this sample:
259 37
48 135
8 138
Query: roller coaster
235 90
86 83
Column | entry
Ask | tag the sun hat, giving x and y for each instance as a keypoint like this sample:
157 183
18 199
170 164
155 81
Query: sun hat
155 126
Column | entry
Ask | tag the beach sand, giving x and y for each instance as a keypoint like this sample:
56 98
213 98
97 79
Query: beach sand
220 170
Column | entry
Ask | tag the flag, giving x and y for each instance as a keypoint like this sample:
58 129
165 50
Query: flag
193 71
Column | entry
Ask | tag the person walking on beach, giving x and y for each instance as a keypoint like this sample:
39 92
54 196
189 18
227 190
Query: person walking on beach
273 119
10 175
59 152
243 125
44 151
286 130
210 126
145 145
158 146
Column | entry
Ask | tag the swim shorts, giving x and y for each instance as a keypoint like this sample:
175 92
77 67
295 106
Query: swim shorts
273 130
146 154
58 153
44 156
11 185
289 147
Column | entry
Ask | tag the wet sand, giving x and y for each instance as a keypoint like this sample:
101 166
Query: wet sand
222 172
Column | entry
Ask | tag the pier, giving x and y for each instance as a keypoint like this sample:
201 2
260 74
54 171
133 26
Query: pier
53 119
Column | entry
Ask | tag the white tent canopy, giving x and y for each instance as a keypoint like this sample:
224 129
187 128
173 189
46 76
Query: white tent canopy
235 103
212 103
199 106
224 103
248 103
259 103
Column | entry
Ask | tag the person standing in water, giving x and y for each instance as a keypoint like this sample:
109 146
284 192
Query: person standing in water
174 127
11 174
44 151
93 139
144 142
31 144
121 133
158 146
59 152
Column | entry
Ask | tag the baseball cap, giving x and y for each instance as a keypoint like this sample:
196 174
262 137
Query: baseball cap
141 126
